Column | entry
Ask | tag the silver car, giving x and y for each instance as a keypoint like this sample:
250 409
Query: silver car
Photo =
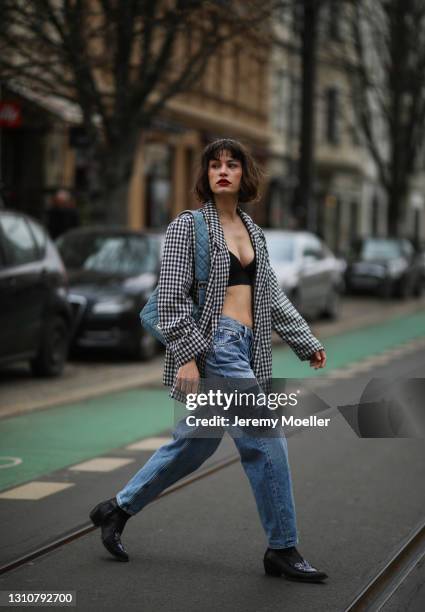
307 270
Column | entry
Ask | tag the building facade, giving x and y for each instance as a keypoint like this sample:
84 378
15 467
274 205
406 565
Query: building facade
230 100
348 200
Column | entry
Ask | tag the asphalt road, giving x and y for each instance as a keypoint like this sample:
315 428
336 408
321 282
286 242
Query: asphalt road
201 547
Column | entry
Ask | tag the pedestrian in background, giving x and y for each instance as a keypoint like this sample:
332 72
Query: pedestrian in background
224 342
62 214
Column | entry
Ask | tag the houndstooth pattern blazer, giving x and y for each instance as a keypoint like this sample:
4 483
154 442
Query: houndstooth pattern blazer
186 339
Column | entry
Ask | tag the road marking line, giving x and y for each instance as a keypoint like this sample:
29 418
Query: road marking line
319 382
367 363
339 374
10 462
383 358
400 351
35 490
362 366
148 444
101 464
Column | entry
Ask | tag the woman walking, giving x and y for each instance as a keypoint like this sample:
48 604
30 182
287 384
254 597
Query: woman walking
232 338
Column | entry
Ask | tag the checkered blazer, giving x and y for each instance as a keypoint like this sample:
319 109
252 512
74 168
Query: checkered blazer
186 339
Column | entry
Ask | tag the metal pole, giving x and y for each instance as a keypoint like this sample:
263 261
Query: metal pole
1 158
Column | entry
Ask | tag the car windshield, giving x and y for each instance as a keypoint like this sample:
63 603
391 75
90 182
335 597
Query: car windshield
281 249
124 255
378 249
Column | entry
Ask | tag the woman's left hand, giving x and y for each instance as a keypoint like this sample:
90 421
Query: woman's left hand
318 359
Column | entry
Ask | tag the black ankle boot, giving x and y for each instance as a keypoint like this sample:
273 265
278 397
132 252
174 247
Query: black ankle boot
112 519
289 562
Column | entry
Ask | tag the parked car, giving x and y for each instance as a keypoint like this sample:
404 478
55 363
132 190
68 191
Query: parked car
307 270
112 272
159 236
387 266
35 316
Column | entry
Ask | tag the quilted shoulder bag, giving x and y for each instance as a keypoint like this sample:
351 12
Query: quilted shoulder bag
149 315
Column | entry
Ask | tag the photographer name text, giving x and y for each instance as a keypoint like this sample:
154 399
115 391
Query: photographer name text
284 421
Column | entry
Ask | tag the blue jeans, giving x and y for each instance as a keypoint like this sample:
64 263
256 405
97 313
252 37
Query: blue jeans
264 459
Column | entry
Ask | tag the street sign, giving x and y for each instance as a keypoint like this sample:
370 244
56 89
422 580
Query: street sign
10 114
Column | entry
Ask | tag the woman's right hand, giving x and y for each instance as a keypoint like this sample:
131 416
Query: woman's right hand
187 379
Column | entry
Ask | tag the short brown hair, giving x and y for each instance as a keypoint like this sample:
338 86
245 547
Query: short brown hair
251 173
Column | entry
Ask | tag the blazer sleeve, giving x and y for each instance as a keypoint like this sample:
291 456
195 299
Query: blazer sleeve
287 321
183 337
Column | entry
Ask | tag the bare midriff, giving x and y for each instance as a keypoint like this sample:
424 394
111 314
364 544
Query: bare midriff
238 304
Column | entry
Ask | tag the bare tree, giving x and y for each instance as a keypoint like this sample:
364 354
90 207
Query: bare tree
389 92
120 62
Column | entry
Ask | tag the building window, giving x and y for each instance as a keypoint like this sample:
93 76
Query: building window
338 214
219 72
260 83
355 129
236 72
280 100
158 180
332 102
294 114
297 17
334 21
354 220
375 216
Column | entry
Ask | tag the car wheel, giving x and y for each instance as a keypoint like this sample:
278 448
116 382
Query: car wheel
386 290
405 289
146 347
419 289
349 290
51 357
333 305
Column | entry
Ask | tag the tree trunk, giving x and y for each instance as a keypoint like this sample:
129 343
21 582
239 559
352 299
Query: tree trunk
396 205
398 54
304 192
114 175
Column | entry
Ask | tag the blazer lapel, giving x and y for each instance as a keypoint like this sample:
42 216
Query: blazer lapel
260 254
214 226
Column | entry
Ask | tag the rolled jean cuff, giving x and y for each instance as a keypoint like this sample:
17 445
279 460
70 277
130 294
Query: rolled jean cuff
127 510
280 546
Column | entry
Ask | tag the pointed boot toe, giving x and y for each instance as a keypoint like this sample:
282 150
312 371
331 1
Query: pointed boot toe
111 519
292 566
112 543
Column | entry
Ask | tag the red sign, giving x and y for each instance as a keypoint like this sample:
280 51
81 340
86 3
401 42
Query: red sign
10 114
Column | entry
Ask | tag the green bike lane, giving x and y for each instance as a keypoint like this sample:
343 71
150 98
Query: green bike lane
55 438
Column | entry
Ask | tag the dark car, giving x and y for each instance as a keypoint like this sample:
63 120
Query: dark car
111 272
387 266
35 317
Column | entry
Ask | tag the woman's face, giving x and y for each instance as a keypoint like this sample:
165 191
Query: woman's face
225 174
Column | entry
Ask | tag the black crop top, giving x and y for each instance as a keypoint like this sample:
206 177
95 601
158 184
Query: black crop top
238 275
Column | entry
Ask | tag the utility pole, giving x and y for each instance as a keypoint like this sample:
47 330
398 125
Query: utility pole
303 204
1 158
